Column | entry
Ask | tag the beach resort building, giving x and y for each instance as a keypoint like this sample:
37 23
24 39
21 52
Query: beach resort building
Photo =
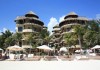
27 24
56 35
66 26
70 20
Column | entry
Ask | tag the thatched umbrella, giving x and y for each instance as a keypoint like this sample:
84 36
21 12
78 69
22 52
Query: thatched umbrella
15 48
45 48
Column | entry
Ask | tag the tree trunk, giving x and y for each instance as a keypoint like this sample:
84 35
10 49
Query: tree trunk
68 52
79 38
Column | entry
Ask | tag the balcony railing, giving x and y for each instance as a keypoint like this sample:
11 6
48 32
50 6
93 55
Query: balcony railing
28 30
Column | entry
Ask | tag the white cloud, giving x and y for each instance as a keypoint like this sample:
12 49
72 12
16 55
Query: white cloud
16 28
53 21
90 18
11 31
97 16
4 29
0 32
61 18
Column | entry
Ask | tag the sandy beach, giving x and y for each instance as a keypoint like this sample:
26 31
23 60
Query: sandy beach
51 65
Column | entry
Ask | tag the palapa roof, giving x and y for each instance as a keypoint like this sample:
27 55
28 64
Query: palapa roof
71 14
78 18
83 18
31 14
56 26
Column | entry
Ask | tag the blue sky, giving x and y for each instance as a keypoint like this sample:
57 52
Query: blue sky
49 11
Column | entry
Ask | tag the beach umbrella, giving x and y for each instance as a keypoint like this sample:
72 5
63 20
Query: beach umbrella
96 47
1 49
44 47
78 51
63 49
15 48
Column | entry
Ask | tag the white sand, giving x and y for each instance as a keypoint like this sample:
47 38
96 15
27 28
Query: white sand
50 65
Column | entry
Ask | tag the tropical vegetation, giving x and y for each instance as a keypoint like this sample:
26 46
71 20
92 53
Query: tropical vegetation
86 36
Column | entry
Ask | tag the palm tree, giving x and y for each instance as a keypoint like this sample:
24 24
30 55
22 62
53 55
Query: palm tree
32 38
44 35
18 37
70 39
9 41
1 42
79 32
4 37
91 36
6 34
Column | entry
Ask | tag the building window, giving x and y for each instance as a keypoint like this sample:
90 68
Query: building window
29 28
20 22
68 29
20 29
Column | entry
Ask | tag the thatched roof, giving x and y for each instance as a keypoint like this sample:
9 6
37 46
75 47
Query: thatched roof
31 14
71 13
56 26
30 18
71 19
79 18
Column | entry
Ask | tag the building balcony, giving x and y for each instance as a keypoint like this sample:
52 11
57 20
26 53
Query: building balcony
69 25
56 29
28 30
32 24
72 30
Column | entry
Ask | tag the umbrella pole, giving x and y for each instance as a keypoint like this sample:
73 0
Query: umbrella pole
94 50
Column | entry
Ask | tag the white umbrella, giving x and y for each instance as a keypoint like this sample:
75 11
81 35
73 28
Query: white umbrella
63 49
44 47
1 49
96 47
77 51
